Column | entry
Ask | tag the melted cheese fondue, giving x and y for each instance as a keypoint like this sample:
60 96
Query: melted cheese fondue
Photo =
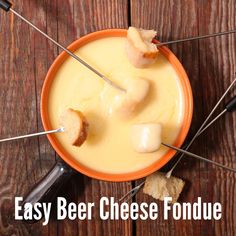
108 147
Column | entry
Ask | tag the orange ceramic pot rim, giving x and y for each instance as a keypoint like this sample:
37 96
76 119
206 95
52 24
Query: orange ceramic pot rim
187 118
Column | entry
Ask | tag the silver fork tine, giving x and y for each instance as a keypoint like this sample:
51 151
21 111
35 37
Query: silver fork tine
132 192
201 129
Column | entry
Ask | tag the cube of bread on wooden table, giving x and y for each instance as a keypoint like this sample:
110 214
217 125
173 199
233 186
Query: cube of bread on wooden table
159 186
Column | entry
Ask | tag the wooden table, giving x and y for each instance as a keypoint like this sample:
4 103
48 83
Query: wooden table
25 59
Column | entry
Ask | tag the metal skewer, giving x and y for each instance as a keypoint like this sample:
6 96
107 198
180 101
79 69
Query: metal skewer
231 105
168 174
129 195
5 5
132 192
199 157
196 38
61 129
213 121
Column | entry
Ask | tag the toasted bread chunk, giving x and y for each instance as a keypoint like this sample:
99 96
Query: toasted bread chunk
140 50
136 91
146 137
75 125
159 186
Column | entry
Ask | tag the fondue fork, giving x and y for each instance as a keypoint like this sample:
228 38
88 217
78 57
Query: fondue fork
230 106
62 129
5 5
202 127
129 195
59 130
195 38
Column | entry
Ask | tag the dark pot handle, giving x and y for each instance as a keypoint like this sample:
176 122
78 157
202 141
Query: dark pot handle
47 188
5 5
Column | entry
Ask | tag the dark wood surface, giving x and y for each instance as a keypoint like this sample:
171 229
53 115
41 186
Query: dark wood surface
25 57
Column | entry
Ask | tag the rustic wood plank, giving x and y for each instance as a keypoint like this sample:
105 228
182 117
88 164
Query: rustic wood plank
30 57
26 60
45 53
20 160
210 66
218 68
173 20
75 19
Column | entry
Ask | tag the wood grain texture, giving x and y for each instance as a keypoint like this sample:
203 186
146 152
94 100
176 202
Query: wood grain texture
218 67
172 20
25 57
210 65
75 19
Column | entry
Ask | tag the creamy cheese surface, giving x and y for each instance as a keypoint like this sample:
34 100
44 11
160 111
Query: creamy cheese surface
108 148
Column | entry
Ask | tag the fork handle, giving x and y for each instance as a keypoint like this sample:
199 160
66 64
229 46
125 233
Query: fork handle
231 105
5 5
